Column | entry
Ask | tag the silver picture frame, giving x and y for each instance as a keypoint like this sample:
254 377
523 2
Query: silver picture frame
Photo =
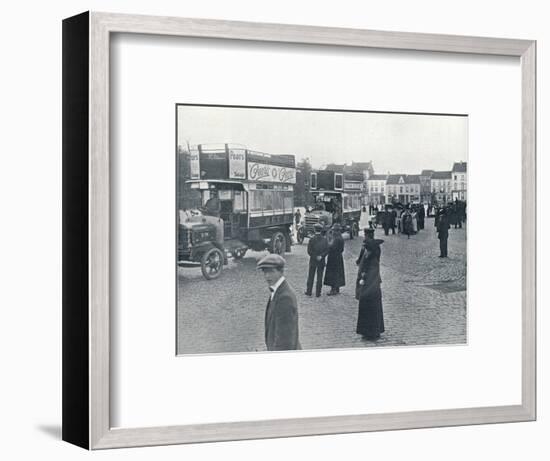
86 229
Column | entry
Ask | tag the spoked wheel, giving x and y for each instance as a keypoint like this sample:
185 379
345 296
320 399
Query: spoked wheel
278 243
212 263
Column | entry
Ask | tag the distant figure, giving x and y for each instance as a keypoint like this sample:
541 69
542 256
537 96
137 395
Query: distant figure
407 223
317 249
443 232
335 276
281 315
297 217
370 319
421 215
388 222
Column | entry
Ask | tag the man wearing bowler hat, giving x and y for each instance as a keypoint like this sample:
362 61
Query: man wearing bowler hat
281 315
317 249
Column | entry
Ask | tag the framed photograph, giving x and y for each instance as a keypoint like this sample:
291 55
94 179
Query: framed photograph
276 230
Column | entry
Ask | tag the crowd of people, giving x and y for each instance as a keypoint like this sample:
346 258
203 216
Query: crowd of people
326 267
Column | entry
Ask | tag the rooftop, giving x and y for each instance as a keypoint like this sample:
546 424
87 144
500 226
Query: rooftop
412 179
460 167
395 178
378 177
441 175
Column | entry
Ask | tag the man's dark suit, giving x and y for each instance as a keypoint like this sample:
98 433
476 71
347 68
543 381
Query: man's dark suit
281 320
443 234
317 246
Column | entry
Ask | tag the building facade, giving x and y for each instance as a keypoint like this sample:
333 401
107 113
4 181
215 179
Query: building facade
426 186
441 184
376 189
459 189
403 188
412 188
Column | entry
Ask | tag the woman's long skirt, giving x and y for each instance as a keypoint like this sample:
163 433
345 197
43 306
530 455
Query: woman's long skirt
370 321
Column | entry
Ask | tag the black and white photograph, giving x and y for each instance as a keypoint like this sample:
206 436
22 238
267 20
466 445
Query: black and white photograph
303 229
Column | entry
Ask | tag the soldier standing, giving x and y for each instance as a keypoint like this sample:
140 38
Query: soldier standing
317 249
443 232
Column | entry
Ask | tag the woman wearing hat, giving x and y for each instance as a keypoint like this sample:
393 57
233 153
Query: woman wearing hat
335 276
370 321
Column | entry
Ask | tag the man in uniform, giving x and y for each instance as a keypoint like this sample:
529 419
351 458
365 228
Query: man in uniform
317 249
443 232
281 315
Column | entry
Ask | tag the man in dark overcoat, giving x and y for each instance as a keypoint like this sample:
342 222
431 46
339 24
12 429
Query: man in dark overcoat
443 227
317 249
281 315
335 276
421 216
370 319
389 221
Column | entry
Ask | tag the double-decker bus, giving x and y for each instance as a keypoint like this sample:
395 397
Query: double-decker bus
337 198
247 202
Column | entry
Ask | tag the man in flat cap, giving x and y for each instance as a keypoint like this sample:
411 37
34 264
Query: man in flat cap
317 249
281 315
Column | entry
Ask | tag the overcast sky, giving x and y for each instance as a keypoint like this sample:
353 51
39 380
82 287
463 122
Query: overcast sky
396 143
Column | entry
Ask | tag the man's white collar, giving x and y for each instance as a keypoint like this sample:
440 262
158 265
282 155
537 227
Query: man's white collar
277 285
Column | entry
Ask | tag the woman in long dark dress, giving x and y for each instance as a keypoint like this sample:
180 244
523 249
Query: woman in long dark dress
370 321
335 276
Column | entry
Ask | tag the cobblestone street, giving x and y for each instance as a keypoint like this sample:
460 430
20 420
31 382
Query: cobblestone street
424 299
